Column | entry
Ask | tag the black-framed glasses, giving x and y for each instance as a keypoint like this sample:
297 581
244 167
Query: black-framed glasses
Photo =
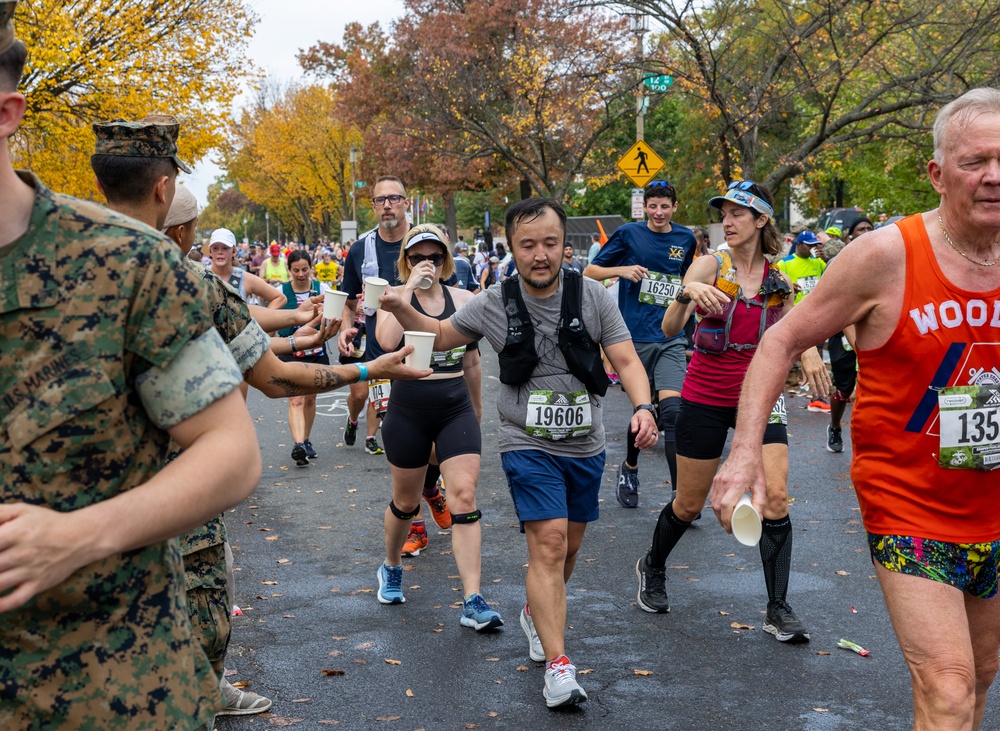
380 200
435 259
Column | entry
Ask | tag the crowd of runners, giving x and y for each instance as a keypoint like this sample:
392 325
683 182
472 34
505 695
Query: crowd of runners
126 355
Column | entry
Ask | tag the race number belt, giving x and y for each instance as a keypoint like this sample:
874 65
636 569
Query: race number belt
970 427
558 415
659 289
378 395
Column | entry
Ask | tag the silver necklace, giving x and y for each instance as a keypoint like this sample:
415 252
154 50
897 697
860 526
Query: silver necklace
952 245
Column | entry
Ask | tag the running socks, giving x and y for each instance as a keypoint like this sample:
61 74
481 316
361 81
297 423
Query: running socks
430 481
632 455
670 452
776 556
669 529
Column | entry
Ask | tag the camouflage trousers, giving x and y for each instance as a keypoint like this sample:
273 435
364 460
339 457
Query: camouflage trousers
209 603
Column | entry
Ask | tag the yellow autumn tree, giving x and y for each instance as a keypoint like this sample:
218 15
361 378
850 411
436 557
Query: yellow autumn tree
102 59
291 155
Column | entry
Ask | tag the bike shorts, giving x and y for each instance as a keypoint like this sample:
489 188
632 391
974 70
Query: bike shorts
422 414
702 430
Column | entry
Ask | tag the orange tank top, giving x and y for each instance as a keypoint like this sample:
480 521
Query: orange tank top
945 337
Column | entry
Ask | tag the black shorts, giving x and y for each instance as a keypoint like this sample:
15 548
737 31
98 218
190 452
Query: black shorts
844 364
435 413
702 430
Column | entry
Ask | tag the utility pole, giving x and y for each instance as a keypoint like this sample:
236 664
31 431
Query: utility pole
640 27
267 221
354 185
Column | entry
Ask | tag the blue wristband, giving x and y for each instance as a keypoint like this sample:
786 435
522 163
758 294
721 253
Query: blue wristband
362 372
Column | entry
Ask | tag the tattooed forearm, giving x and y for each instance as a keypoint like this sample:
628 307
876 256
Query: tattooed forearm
327 378
287 386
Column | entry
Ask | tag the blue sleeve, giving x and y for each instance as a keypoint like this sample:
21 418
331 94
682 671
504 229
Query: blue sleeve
612 254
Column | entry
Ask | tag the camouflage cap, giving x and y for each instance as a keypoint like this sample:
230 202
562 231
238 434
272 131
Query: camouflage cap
154 136
6 24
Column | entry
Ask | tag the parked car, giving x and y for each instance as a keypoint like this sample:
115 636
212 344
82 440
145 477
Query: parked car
842 218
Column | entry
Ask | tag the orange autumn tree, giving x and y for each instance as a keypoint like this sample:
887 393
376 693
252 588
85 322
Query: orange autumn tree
102 59
485 90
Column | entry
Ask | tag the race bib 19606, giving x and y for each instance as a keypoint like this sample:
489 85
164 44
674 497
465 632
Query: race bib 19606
659 289
558 415
970 427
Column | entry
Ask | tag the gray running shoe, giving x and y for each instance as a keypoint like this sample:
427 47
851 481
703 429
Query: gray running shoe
561 688
783 624
237 702
535 651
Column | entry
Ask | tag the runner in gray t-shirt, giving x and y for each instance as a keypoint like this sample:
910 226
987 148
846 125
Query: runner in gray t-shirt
551 432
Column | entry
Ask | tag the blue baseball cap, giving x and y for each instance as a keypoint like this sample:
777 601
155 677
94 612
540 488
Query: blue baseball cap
807 237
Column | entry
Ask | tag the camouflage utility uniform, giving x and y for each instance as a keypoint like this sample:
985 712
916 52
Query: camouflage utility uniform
105 341
205 572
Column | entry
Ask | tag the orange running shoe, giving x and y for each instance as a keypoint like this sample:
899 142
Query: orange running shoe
439 509
416 541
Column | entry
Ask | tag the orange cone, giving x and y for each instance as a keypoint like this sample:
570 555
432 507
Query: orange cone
604 236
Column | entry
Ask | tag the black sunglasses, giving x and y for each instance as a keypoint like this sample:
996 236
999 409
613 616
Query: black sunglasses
435 259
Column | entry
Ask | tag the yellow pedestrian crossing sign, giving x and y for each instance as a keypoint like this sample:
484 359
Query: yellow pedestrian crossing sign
640 163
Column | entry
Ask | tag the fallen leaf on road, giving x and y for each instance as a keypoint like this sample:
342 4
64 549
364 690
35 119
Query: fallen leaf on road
586 671
409 693
325 527
265 530
270 538
821 710
288 616
284 560
389 661
842 573
724 614
330 673
269 583
691 578
643 673
339 638
493 659
240 684
364 645
353 489
524 668
821 652
387 718
279 721
493 714
300 700
471 725
739 625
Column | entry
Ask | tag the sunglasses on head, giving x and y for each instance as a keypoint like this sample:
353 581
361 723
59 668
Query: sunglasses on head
741 185
435 259
393 199
654 184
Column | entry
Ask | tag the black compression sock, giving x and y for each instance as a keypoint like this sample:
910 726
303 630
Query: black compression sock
776 556
430 480
669 529
632 455
670 452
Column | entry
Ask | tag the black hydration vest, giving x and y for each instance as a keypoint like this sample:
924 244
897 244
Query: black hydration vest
519 357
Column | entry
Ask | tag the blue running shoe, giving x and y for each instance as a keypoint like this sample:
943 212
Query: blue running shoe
390 584
476 613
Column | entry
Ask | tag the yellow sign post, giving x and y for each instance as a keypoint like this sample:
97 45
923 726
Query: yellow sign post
640 163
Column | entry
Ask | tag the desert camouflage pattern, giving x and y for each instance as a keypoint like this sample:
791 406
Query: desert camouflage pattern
154 136
6 25
89 301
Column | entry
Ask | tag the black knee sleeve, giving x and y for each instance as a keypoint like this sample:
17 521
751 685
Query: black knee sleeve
669 408
466 518
400 514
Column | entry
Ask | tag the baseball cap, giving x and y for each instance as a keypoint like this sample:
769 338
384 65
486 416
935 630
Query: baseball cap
494 259
275 250
807 237
6 24
154 136
461 246
223 236
183 209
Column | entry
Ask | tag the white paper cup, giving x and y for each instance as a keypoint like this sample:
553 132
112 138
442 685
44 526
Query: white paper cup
374 288
425 283
746 522
423 346
333 304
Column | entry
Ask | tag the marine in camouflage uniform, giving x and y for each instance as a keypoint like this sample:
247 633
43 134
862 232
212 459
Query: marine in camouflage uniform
105 343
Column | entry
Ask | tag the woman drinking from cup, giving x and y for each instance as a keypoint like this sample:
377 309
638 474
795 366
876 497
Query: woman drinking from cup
301 409
434 413
737 293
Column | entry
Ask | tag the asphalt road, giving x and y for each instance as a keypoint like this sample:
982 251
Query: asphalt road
314 638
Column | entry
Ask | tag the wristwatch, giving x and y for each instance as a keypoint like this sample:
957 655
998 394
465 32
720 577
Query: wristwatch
681 298
645 407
